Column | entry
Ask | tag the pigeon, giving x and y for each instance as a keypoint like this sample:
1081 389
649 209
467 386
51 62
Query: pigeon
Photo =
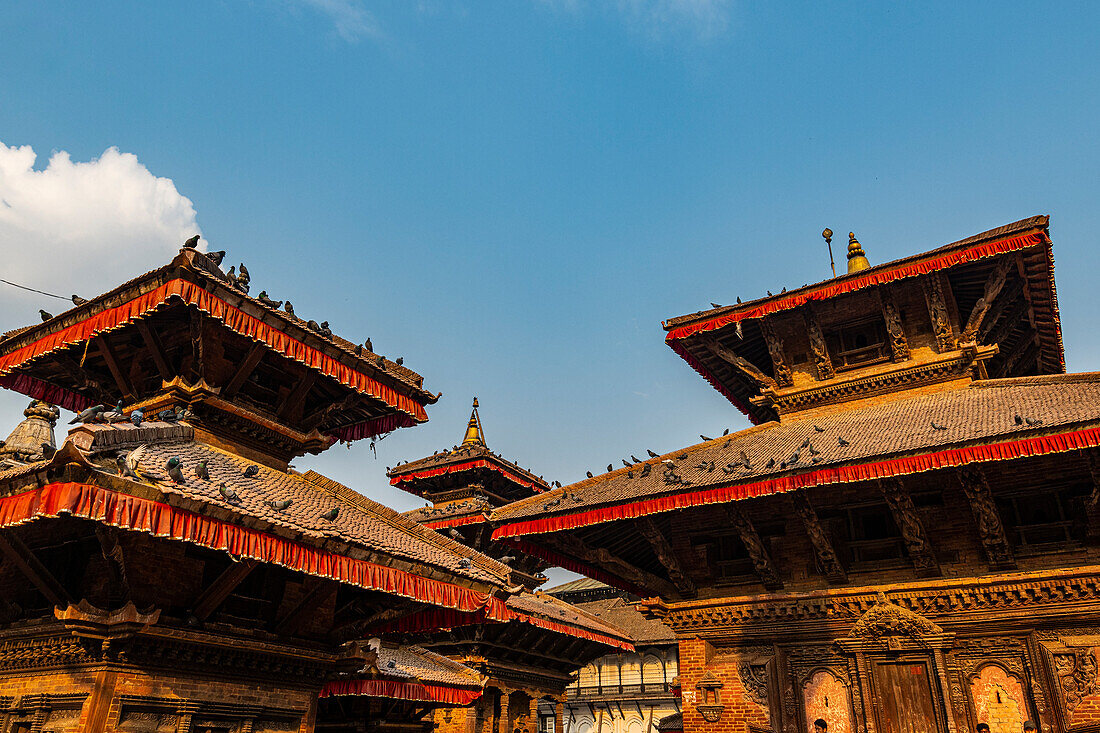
793 459
45 315
704 438
714 305
47 451
114 415
243 279
313 325
325 330
818 429
771 463
231 276
174 472
1019 420
359 350
455 534
725 432
557 484
191 242
634 458
815 459
625 463
77 300
381 363
288 307
745 459
216 257
89 415
738 300
588 474
262 297
682 457
842 442
784 289
1032 423
132 461
814 451
185 414
651 453
646 469
610 467
369 345
938 427
331 514
399 360
136 417
280 505
805 443
391 663
769 293
464 562
168 415
201 471
630 474
251 471
228 494
508 559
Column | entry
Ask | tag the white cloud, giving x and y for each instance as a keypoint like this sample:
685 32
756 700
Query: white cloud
660 19
350 18
81 227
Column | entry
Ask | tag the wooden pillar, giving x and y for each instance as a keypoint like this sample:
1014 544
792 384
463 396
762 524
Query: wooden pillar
559 717
504 721
186 711
533 716
93 719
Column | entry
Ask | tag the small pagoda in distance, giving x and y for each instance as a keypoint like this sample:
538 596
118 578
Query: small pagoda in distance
464 485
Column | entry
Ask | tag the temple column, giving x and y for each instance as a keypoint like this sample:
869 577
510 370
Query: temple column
559 717
504 722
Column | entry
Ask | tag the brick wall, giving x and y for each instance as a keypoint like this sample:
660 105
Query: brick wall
999 700
697 658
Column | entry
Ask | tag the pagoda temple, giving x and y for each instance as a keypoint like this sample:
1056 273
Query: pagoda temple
164 570
906 540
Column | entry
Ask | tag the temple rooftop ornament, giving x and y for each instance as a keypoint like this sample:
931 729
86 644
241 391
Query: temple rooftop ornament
857 259
25 444
474 434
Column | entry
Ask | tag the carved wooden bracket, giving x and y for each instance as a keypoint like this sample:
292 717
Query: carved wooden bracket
912 530
818 348
827 559
741 364
991 530
899 345
667 556
937 312
750 538
613 564
780 368
993 285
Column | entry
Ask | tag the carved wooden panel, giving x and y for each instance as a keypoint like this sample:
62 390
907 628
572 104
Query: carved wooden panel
938 313
780 368
819 350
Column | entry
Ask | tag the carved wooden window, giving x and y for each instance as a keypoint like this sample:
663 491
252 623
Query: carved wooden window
872 535
1043 520
858 345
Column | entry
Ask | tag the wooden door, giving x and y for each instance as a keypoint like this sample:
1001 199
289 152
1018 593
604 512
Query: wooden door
905 697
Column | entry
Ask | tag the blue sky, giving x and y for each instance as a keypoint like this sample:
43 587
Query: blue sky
512 195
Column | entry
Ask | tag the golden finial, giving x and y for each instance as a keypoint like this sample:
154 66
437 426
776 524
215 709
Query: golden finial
827 235
857 258
474 435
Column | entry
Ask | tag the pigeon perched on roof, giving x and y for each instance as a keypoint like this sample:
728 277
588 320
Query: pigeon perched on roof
704 438
634 458
842 442
454 533
46 315
89 415
588 474
77 300
325 330
369 345
216 257
610 467
228 494
331 514
201 471
399 360
191 242
263 298
113 416
47 451
243 279
464 562
174 471
508 559
935 426
136 416
167 415
651 453
288 307
280 505
251 471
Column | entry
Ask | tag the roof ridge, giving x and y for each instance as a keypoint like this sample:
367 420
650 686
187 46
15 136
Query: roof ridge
1036 380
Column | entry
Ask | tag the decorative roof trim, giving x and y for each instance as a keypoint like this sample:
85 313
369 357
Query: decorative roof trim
237 321
131 513
1028 447
465 466
455 522
428 692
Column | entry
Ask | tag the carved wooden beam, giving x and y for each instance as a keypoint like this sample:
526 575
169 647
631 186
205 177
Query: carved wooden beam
1025 352
827 559
198 346
993 286
32 568
319 591
112 553
84 380
758 553
667 556
156 349
740 363
216 593
603 559
996 331
899 345
991 530
818 348
780 368
108 355
244 370
295 401
1092 505
937 312
912 530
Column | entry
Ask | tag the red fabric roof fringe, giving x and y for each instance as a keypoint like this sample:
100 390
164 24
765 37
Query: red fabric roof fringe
88 501
466 466
575 566
456 522
39 390
235 319
1025 448
401 691
970 254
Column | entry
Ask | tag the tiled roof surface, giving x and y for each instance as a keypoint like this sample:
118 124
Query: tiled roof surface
557 610
360 521
981 413
413 662
621 613
458 510
576 586
463 454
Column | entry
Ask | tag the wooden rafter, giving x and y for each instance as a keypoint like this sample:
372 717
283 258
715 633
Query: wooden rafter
156 349
295 401
33 569
664 552
198 345
82 378
111 360
216 593
827 559
993 286
912 529
244 370
987 517
1024 353
613 564
758 553
1010 295
742 365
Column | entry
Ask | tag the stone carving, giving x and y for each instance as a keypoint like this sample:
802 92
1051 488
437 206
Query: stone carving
827 558
912 530
710 698
780 368
1076 672
754 678
990 529
937 312
758 554
899 345
818 347
888 619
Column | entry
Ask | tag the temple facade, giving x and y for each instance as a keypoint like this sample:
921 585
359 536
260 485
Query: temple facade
165 570
906 540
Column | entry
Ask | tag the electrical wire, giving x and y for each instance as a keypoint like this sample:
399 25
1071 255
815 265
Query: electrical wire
33 290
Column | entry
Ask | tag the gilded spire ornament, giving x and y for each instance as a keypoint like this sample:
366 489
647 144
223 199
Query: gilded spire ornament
474 434
857 258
